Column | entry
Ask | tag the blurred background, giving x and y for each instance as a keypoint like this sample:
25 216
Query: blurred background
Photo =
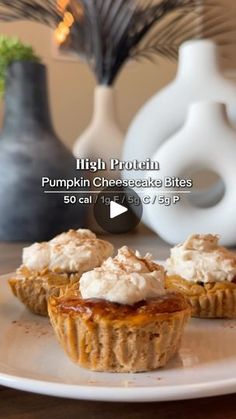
75 82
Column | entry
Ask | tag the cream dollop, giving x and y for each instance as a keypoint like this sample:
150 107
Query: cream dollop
125 279
75 251
201 259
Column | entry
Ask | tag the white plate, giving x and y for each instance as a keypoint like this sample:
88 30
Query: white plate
32 360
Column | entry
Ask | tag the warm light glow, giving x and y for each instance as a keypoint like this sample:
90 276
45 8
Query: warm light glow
60 37
68 19
62 4
63 28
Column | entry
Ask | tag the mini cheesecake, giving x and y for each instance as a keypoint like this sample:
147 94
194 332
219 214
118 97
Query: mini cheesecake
125 320
55 267
205 273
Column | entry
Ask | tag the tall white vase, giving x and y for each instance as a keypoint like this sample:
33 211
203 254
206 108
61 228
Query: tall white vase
206 142
198 78
103 138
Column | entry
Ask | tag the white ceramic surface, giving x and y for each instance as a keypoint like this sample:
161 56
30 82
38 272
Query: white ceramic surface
32 360
103 138
206 142
198 79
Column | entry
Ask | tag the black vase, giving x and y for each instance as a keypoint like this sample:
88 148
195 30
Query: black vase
30 150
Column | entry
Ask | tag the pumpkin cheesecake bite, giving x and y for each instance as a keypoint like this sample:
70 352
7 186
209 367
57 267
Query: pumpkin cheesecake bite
55 266
205 273
125 320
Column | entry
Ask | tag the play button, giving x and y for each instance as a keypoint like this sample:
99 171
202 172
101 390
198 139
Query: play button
118 210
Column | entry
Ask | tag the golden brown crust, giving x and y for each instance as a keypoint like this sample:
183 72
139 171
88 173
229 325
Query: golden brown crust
33 288
105 336
109 311
211 300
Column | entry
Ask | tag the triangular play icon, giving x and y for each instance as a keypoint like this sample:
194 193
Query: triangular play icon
116 209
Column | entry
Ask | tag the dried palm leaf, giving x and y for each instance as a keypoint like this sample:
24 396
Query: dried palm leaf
111 32
43 11
107 33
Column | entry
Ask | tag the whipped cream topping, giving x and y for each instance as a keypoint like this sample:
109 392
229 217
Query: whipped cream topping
125 279
75 251
201 259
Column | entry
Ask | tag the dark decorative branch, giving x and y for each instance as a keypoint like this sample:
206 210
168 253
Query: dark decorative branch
42 11
110 32
168 35
107 33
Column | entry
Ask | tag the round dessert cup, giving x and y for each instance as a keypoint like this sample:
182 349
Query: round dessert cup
210 300
104 336
33 288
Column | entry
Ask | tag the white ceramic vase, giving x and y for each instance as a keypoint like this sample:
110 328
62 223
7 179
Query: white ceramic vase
206 142
103 138
198 78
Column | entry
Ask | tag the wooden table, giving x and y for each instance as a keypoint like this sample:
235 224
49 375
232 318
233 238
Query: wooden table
16 404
